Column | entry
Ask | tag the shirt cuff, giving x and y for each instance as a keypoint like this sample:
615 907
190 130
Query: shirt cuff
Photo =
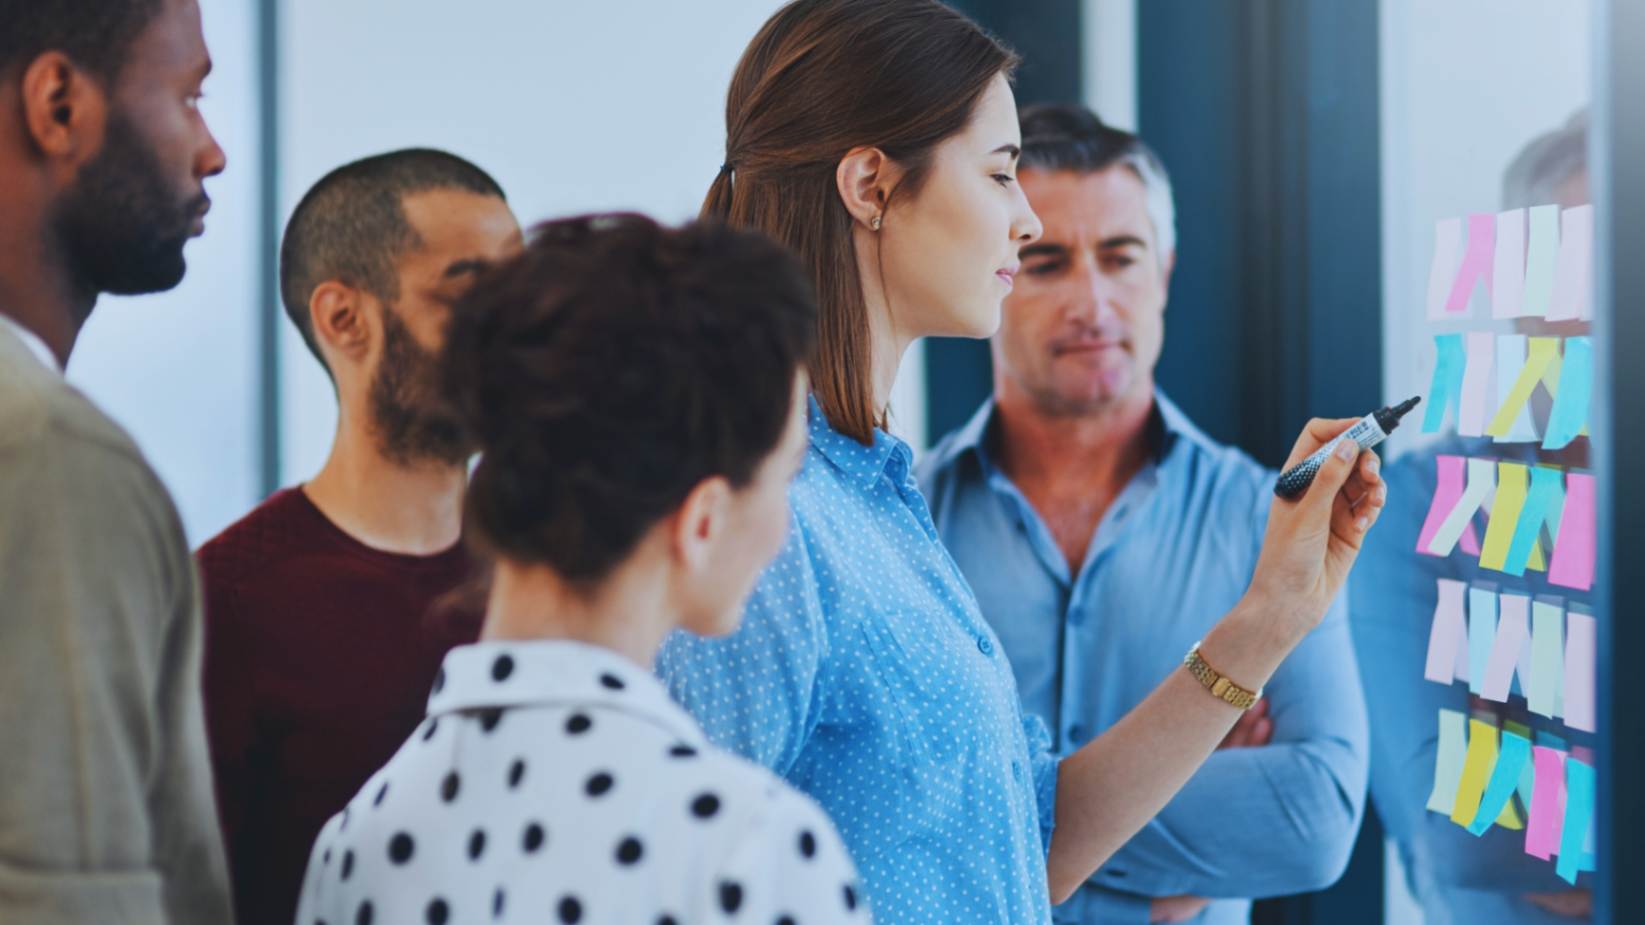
1046 769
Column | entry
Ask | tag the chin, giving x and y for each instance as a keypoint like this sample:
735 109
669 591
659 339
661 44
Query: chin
979 322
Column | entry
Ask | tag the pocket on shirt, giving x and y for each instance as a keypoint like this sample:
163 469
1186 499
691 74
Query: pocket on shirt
925 670
28 895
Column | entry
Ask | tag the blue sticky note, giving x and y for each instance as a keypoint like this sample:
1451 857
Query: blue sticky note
1446 389
1510 766
1576 380
1482 604
1543 502
1579 815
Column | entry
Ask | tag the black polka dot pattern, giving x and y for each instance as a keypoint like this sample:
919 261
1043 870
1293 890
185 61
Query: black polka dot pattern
539 803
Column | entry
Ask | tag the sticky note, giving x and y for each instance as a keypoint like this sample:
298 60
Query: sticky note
1447 492
1547 685
1510 362
1541 257
1541 362
1579 815
1512 484
1512 639
1569 416
1481 480
1572 297
1476 769
1544 502
1476 263
1547 813
1475 404
1446 633
1481 634
1573 562
1450 365
1579 671
1448 761
1527 774
1508 270
1499 790
1442 269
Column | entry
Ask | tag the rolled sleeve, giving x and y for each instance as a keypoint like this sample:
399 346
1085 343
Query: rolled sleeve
1045 766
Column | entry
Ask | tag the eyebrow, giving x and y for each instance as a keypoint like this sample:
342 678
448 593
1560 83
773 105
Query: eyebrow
1053 249
466 266
1012 150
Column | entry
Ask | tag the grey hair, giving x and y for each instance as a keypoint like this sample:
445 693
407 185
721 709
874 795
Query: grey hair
1548 160
1065 136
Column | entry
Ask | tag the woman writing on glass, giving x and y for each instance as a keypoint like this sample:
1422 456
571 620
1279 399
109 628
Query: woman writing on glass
878 139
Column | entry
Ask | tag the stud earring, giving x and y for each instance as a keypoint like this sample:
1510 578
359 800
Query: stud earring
874 223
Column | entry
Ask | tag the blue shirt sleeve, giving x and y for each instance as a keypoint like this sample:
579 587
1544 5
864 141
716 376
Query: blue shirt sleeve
1045 765
1285 815
758 691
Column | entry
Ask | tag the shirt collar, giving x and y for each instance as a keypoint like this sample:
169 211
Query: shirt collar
1166 424
497 675
863 465
33 342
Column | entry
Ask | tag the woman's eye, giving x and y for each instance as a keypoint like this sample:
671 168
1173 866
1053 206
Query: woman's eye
1003 179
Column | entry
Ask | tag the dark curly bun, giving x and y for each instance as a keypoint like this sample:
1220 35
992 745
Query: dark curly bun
612 366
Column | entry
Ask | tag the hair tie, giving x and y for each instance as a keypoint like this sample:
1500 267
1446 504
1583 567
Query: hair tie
727 167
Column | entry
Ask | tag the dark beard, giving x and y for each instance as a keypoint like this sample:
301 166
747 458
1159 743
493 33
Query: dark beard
411 425
121 229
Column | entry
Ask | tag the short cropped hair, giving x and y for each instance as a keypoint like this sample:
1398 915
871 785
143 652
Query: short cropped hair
1547 161
1064 136
608 369
352 227
94 34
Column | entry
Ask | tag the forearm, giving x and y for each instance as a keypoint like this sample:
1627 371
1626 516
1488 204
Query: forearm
1109 789
1285 819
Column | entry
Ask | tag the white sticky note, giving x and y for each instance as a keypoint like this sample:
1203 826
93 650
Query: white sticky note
1572 297
1476 406
1448 759
1508 269
1481 635
1579 671
1547 658
1513 632
1481 480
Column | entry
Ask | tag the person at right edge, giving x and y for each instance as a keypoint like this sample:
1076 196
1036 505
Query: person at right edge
878 139
106 811
1455 876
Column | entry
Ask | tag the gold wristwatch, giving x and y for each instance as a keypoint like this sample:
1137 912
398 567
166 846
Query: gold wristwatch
1218 683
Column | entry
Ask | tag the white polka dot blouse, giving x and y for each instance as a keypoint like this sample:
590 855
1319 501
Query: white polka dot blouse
556 782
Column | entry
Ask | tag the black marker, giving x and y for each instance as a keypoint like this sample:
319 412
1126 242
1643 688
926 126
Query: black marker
1370 431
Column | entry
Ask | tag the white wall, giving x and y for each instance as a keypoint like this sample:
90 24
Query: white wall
1108 58
574 107
179 369
1465 84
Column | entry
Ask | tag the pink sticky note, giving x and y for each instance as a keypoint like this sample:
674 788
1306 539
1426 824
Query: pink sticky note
1547 812
1447 250
1573 564
1508 271
1574 270
1476 262
1579 671
1447 492
1447 632
1476 405
1513 633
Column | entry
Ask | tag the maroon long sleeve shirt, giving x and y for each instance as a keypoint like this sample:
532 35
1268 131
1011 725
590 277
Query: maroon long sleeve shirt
320 653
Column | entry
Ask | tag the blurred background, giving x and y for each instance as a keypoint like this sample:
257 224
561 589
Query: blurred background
1312 145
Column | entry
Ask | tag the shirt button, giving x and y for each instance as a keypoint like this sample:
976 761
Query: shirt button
1076 732
1016 769
984 646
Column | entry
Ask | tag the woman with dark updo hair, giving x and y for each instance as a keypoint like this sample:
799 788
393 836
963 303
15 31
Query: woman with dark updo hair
637 397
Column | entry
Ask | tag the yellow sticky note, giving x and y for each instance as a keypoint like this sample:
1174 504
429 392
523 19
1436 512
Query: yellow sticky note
1541 362
1512 482
1476 770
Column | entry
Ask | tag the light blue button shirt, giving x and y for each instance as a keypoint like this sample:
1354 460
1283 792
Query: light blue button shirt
1457 877
864 674
1173 553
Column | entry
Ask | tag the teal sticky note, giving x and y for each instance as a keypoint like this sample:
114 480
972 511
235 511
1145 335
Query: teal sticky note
1543 504
1579 815
1449 364
1576 380
1511 762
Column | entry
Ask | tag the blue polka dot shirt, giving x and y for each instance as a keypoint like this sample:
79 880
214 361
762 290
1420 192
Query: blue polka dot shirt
864 674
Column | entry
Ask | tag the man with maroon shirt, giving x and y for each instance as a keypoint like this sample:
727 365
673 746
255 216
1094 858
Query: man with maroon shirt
324 628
